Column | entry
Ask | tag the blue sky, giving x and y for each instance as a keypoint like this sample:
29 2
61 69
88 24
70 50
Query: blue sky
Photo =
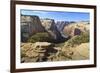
58 15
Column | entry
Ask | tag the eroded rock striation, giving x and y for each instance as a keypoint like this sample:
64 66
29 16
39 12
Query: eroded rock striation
29 26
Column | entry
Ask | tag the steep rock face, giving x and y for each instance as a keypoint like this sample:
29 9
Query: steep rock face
75 29
51 28
55 30
61 24
46 23
29 26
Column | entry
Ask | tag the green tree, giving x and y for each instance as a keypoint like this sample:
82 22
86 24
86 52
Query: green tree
40 37
78 39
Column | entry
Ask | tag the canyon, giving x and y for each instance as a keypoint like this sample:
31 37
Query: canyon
70 40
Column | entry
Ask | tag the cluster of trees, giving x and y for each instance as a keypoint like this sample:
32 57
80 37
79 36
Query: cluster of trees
40 37
78 39
45 37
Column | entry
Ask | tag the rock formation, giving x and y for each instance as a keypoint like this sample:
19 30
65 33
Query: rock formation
76 29
29 26
51 28
61 24
39 51
46 23
43 51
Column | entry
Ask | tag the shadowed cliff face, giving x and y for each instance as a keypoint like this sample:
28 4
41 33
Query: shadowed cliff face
55 30
51 28
29 26
61 24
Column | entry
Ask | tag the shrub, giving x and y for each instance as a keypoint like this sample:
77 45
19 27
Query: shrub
39 37
78 39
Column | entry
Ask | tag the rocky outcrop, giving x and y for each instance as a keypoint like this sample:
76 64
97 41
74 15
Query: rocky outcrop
78 52
76 29
46 23
61 24
29 26
44 51
39 51
51 28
